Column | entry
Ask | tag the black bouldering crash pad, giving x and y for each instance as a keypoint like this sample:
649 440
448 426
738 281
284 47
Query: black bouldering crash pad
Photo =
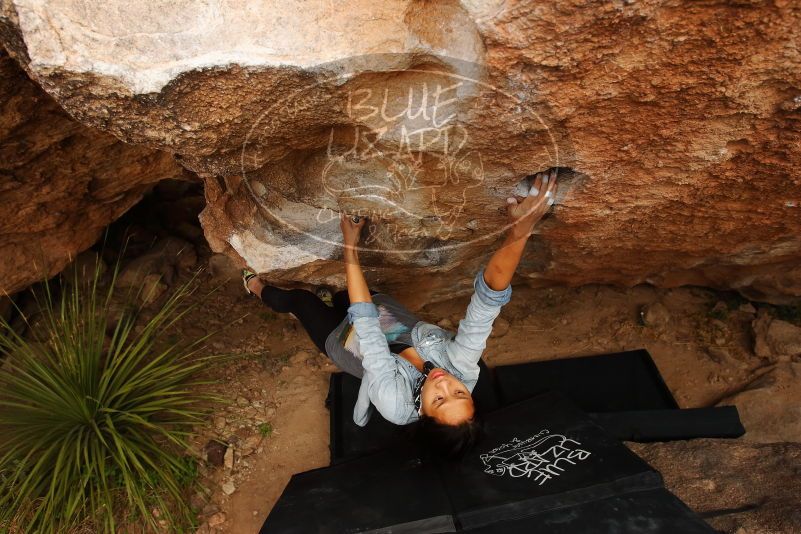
655 511
542 460
623 391
670 425
612 382
541 454
389 490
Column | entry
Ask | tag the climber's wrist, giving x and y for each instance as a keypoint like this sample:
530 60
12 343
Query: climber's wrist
351 254
519 231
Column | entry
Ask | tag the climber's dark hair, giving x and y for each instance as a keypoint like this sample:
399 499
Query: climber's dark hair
448 442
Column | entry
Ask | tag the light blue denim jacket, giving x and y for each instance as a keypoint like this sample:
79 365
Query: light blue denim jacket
388 380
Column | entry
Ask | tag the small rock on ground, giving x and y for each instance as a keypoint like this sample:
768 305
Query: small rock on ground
228 459
655 315
228 487
217 519
215 452
774 338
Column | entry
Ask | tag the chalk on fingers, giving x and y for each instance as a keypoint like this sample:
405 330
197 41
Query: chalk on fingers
533 191
510 200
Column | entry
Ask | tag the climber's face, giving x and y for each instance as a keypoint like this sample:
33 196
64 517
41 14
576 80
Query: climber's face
446 399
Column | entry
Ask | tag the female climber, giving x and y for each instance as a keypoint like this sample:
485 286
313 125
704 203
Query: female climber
411 370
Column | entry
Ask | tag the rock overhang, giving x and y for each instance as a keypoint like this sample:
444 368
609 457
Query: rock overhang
667 112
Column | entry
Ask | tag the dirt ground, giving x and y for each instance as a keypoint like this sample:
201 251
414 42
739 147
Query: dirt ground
276 386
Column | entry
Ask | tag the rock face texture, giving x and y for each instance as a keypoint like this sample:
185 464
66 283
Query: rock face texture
770 407
61 182
736 487
676 127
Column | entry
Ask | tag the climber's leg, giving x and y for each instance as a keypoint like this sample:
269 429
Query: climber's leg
314 315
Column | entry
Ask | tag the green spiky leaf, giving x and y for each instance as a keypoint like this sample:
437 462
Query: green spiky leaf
93 426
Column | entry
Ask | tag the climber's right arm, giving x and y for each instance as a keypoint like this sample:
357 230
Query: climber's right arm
492 285
524 215
466 348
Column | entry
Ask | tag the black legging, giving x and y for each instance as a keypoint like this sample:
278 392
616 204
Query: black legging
316 317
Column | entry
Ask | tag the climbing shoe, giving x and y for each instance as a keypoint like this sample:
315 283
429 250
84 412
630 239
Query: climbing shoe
325 294
247 276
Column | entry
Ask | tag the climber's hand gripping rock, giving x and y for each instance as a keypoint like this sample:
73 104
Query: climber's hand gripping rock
351 230
526 211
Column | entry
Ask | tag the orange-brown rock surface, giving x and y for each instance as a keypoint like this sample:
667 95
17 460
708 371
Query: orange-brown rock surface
676 126
61 182
735 486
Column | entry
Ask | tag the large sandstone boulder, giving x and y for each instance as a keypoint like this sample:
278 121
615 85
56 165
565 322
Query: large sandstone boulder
675 125
61 183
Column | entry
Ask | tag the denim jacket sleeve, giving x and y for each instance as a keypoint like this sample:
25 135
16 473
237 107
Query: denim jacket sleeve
466 348
388 389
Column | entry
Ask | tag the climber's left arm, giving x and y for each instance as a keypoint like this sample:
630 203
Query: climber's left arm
387 389
357 285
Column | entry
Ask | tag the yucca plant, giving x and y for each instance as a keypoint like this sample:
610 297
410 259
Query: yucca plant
95 413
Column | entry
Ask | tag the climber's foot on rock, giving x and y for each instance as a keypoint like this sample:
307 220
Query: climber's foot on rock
253 285
324 293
